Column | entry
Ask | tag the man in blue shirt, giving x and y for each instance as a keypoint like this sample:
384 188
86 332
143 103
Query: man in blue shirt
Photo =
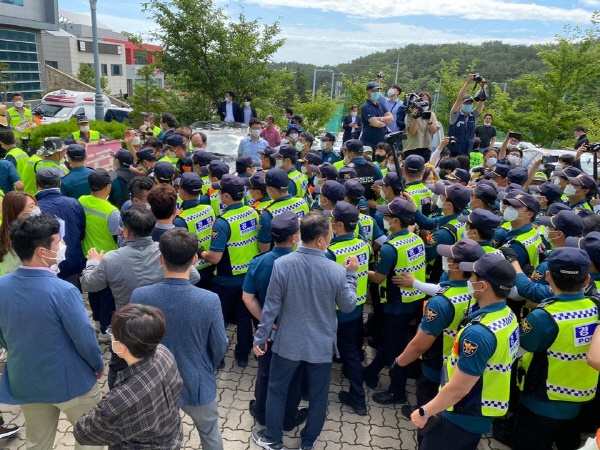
9 178
253 145
195 332
374 116
59 350
75 183
476 380
285 229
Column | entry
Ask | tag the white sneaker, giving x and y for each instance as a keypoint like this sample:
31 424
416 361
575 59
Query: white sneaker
104 338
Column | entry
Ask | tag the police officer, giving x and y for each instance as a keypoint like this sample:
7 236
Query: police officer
370 229
546 194
441 321
459 175
366 171
322 173
146 159
233 244
580 191
84 135
498 175
285 229
266 159
484 196
412 171
75 183
198 219
122 161
344 244
327 153
277 184
181 152
477 371
52 152
298 182
403 252
164 172
201 159
480 226
389 189
554 376
257 189
216 171
13 153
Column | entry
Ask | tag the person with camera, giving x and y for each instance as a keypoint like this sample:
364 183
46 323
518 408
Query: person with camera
375 118
463 116
420 126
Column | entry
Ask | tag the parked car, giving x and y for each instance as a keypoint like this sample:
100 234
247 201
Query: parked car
63 105
530 155
223 138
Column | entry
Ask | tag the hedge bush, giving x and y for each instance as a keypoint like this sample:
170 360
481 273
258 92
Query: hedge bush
113 130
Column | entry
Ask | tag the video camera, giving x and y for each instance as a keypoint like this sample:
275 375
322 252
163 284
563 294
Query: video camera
413 100
451 142
392 138
594 147
477 78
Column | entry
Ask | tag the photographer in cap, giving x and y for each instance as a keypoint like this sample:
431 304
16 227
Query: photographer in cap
375 117
463 117
420 127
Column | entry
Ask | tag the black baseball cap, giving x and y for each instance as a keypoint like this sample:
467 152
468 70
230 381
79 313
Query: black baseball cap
390 179
99 179
346 213
589 244
277 178
190 182
354 189
286 151
372 85
328 137
567 172
557 207
494 269
527 200
146 154
245 162
257 181
217 168
326 170
585 181
312 159
231 184
459 174
457 194
551 191
164 171
486 193
354 145
175 140
48 175
569 261
566 221
76 152
518 175
124 157
501 170
414 164
510 190
481 219
396 208
347 173
284 224
268 152
334 191
82 118
464 250
203 158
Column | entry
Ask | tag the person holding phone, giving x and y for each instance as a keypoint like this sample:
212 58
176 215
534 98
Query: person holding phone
463 118
421 125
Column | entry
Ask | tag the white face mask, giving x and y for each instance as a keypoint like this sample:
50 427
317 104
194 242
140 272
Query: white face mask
391 92
511 214
299 146
316 180
284 142
491 162
303 169
227 99
570 190
324 145
513 160
445 264
440 203
18 104
386 225
294 136
146 123
246 104
112 346
470 288
391 167
136 140
278 163
255 133
558 166
35 212
84 129
382 194
60 256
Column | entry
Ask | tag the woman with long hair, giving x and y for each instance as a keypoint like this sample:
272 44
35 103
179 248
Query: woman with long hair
14 206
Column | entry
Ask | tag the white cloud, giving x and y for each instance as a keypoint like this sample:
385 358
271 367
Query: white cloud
592 3
467 9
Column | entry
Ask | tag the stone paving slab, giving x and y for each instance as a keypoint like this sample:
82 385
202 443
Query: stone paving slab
383 429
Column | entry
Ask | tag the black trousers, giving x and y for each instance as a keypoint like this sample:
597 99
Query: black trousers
440 433
102 304
234 310
349 349
535 432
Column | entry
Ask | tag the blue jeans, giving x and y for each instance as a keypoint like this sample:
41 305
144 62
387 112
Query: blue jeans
281 374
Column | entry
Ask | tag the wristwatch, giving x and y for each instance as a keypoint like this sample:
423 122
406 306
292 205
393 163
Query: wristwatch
422 412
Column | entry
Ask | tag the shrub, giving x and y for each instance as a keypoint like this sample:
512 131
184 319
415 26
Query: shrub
113 130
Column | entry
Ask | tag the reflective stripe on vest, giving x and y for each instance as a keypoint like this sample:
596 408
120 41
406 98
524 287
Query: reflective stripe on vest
97 233
215 202
94 136
301 182
360 249
459 298
531 240
410 258
17 123
569 378
28 177
243 241
261 206
492 250
296 205
490 397
419 192
367 224
199 221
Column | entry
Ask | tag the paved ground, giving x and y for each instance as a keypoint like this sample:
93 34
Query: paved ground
383 428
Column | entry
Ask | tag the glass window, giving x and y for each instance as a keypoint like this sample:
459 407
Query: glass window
116 69
104 69
140 57
13 2
52 64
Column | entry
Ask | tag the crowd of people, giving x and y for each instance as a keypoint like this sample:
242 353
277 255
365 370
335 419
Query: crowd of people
481 269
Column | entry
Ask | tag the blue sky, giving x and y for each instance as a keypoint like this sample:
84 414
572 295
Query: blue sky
335 31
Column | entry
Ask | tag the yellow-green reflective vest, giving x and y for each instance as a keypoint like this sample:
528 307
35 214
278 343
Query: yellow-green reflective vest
261 206
199 221
215 202
19 124
489 397
97 233
156 131
45 163
531 240
94 136
490 249
476 159
20 157
206 185
28 177
419 192
366 223
243 241
410 258
296 205
359 248
301 182
339 164
459 299
561 372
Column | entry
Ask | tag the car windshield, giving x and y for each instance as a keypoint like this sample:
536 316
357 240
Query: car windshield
222 139
58 112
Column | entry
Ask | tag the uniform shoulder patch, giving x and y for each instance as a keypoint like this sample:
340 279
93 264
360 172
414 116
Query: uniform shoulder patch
430 315
469 348
214 234
536 276
442 290
526 327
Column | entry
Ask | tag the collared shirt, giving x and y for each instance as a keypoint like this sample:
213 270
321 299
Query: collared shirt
272 135
229 112
252 148
259 273
392 106
141 411
372 135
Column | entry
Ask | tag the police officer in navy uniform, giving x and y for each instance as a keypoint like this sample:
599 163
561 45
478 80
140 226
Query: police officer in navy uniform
367 172
554 376
257 189
476 379
285 229
441 318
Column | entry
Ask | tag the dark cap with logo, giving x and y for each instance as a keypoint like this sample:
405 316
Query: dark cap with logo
326 170
347 173
245 162
175 140
146 154
284 225
354 146
517 175
486 193
551 191
566 221
461 175
494 269
76 152
218 169
390 179
373 85
501 170
231 184
354 189
190 182
396 208
414 164
346 213
334 191
567 172
203 158
527 200
124 157
555 208
464 250
164 171
99 179
481 219
457 194
328 137
585 181
569 261
277 178
48 176
311 158
257 181
286 151
590 244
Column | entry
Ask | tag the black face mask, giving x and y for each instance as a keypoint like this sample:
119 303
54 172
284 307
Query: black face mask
380 158
443 175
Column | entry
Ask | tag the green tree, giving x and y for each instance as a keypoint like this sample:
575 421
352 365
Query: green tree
147 95
209 54
7 81
315 113
85 74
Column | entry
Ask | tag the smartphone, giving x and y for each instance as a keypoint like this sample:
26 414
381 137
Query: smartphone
550 159
516 136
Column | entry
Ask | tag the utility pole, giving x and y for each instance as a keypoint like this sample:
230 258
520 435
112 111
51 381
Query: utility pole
98 96
397 67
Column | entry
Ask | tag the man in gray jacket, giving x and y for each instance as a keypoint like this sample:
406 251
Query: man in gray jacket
304 290
123 270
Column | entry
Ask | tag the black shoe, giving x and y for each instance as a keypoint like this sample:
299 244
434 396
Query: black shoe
407 410
345 399
370 382
221 364
8 431
242 362
301 416
261 440
388 398
502 431
372 342
254 414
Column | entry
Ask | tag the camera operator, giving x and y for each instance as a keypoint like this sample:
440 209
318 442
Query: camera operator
420 127
375 118
463 116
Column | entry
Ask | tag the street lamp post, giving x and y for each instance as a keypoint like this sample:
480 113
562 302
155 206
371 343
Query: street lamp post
315 80
98 96
504 84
